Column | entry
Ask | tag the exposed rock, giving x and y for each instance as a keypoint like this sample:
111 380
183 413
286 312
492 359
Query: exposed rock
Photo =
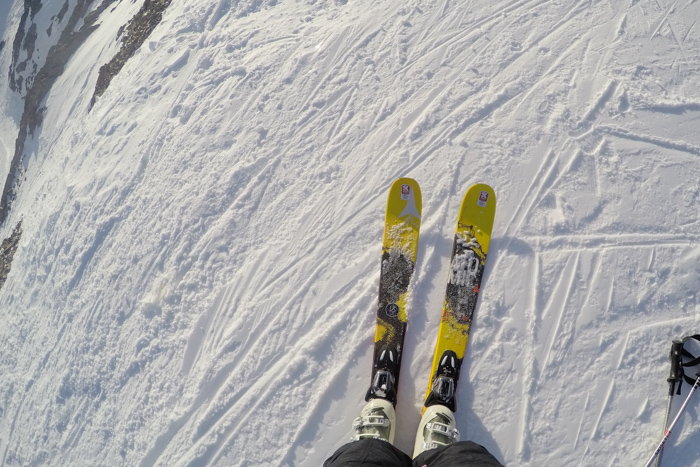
7 252
132 37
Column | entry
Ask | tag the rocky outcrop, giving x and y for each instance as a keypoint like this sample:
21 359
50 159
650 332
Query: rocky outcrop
7 251
132 37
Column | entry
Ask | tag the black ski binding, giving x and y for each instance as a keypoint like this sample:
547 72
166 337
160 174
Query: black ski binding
384 383
445 381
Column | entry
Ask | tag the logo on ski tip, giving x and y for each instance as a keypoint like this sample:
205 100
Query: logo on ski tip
405 191
483 199
392 310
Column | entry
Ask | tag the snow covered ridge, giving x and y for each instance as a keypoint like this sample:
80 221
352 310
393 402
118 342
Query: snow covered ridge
200 251
34 74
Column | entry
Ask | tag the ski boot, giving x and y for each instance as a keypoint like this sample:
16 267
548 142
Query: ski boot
437 428
378 417
377 420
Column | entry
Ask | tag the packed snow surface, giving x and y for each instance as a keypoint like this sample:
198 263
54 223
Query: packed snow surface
196 281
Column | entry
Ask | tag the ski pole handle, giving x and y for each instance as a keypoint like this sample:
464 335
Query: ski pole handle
676 368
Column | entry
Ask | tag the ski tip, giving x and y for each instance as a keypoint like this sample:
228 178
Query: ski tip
405 198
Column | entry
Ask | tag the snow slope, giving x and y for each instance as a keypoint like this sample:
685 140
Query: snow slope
196 280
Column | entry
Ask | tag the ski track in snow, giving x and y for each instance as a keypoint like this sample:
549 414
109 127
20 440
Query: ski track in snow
196 281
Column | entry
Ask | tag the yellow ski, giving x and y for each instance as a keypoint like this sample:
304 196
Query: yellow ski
399 249
471 245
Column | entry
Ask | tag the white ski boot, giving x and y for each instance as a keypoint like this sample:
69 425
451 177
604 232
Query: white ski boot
437 428
377 420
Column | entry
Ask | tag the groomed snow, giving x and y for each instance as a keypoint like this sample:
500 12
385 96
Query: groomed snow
197 276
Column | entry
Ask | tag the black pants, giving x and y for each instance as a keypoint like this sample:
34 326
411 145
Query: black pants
375 453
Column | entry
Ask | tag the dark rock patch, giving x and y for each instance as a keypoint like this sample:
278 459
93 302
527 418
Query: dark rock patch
132 36
7 252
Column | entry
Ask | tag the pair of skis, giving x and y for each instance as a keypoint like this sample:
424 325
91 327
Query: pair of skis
467 262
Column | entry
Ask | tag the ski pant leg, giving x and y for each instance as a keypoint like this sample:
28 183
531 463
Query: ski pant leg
461 454
368 453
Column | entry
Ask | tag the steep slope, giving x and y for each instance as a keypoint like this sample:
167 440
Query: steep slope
196 279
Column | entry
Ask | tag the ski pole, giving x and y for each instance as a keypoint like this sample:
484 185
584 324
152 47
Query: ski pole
673 423
673 378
